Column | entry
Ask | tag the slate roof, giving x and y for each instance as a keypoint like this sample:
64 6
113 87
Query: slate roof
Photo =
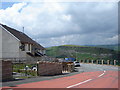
22 36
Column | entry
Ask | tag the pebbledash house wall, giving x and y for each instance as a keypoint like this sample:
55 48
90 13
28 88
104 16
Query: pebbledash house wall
10 46
0 42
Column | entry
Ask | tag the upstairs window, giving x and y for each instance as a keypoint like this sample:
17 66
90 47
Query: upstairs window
22 47
29 48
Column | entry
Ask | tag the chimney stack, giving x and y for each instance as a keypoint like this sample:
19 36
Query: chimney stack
23 29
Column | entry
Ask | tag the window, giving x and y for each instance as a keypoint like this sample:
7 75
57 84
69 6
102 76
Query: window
29 48
22 47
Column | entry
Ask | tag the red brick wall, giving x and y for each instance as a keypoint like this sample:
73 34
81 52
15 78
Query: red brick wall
49 68
6 68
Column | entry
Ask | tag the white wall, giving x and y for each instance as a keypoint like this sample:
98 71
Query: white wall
10 45
22 53
0 42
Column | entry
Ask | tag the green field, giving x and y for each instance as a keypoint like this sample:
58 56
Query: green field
82 52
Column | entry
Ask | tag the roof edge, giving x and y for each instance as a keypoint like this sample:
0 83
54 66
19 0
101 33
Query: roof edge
8 32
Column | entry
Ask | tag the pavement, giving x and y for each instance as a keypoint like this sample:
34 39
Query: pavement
87 75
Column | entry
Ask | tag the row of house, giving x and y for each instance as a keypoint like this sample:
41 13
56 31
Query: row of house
16 44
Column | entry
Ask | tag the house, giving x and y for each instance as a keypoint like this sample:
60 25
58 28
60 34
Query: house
16 44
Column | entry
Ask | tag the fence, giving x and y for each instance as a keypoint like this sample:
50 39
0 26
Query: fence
44 68
49 68
15 68
106 62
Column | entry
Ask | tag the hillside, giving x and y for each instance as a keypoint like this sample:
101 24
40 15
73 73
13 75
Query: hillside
81 52
113 47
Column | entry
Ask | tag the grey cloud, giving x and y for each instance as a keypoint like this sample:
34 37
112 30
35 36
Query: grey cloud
92 20
68 23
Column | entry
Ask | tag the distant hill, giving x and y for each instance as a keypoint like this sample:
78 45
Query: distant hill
113 47
81 52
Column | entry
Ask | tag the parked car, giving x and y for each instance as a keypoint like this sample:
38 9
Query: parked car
76 63
34 68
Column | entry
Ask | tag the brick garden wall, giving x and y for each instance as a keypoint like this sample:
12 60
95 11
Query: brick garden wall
6 69
68 66
49 68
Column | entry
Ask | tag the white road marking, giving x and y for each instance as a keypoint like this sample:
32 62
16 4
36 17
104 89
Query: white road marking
85 81
79 83
102 74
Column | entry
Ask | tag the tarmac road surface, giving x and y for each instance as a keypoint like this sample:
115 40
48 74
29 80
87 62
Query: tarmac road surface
88 76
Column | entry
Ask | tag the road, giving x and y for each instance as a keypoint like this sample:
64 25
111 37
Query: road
88 76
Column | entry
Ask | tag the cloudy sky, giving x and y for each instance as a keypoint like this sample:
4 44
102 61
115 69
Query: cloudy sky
51 24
